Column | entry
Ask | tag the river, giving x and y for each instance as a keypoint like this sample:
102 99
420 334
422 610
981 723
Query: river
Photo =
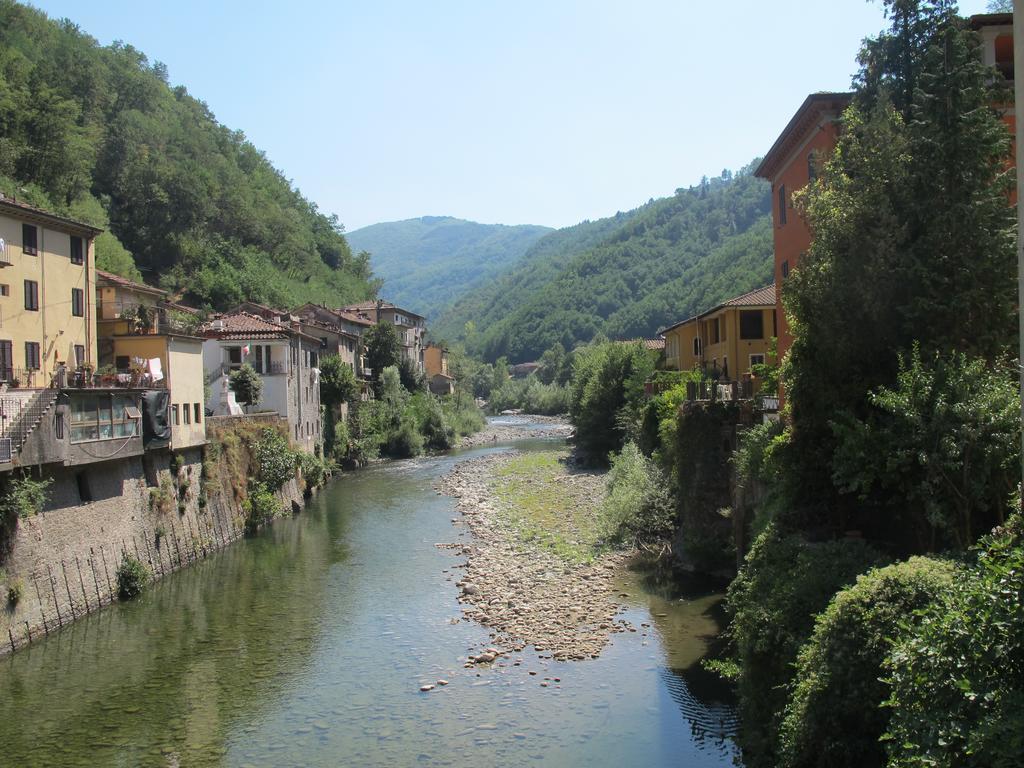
306 645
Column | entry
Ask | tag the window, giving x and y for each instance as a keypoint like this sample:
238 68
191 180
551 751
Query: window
785 269
175 415
5 289
123 363
197 409
696 346
32 295
715 338
756 359
186 413
77 250
751 324
812 167
782 205
58 425
32 355
79 355
28 240
235 356
258 349
77 302
103 417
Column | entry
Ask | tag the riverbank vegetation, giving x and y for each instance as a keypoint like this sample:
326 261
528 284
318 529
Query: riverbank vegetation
905 447
872 604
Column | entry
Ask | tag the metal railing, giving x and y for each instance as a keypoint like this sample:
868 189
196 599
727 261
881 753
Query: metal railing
20 416
146 319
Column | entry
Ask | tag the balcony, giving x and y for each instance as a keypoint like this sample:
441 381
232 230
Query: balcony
145 320
267 369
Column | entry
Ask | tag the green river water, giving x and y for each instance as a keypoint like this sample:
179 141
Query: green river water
306 645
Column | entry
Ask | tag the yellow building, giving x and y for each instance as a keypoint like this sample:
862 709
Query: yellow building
727 339
47 283
435 367
135 328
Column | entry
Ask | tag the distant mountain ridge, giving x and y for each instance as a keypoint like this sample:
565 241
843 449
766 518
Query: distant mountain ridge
624 276
427 263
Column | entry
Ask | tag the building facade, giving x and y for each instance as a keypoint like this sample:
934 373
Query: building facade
47 283
726 340
286 360
412 328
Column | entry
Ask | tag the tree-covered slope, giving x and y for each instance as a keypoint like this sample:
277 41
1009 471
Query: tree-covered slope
624 276
427 263
98 133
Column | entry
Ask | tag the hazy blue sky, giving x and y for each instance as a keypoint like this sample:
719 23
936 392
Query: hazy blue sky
517 112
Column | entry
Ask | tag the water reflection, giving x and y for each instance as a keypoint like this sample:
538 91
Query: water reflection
306 645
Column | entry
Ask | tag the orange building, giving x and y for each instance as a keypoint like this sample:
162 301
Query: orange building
810 137
790 165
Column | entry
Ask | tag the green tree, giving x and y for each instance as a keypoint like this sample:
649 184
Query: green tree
383 349
246 384
913 242
337 381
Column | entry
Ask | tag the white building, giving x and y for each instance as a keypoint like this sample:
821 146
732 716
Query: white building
285 358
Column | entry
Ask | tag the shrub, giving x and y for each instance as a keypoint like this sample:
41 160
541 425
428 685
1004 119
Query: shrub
462 413
315 470
405 441
783 584
835 718
15 590
261 506
132 577
607 384
530 395
639 507
275 459
957 677
431 422
22 497
246 384
939 452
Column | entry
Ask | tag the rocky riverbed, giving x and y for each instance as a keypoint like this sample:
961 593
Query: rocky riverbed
527 593
517 428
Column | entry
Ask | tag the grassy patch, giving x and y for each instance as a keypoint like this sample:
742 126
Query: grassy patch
549 506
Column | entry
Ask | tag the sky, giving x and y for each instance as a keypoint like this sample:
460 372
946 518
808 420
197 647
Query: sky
523 112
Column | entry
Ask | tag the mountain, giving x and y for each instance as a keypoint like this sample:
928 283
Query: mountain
623 276
97 133
427 263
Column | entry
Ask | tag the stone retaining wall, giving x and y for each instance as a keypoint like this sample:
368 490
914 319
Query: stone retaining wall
66 557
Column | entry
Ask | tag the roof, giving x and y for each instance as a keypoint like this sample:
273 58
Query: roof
30 212
797 129
309 309
655 345
364 306
759 297
980 20
243 325
124 282
312 322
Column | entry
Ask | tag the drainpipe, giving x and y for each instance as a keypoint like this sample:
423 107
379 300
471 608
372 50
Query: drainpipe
1018 108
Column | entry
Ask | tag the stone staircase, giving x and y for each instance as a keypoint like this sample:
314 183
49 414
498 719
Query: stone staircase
20 415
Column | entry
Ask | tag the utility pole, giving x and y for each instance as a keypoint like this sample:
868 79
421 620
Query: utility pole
1018 109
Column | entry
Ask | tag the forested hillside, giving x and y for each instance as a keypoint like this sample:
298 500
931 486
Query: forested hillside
98 133
624 276
427 263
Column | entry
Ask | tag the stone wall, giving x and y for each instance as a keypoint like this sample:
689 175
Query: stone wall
65 558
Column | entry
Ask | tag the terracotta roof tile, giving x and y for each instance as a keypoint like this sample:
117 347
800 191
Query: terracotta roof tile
240 325
124 282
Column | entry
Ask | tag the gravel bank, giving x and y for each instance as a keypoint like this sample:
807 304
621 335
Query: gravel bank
527 594
503 433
